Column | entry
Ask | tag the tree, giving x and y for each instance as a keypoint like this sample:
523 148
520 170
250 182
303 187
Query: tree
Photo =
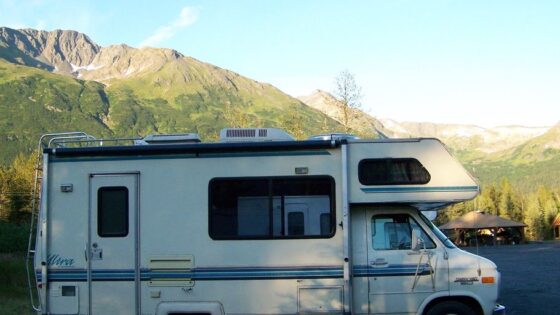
293 122
534 217
348 95
506 204
235 116
15 189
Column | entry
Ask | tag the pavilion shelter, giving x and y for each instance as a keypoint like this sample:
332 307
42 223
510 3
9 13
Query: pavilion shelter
487 229
556 227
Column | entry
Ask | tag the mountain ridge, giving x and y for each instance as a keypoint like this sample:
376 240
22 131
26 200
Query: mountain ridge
54 51
458 136
124 91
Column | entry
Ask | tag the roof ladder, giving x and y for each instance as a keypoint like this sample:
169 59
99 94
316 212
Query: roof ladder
46 140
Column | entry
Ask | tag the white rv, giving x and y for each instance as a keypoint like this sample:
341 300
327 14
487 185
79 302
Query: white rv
254 224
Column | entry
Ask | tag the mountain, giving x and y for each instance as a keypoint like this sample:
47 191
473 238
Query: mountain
58 51
528 166
61 81
541 148
463 139
33 102
360 122
467 137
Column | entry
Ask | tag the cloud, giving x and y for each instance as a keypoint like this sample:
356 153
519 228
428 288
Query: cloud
187 17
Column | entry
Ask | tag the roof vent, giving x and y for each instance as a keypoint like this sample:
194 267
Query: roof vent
178 138
254 134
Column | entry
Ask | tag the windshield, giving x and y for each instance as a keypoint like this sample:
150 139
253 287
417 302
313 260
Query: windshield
444 239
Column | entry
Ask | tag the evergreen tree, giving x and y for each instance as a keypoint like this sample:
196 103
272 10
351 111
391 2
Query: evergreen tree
506 204
489 200
534 218
549 210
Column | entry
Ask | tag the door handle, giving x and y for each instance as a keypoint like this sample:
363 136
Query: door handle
379 262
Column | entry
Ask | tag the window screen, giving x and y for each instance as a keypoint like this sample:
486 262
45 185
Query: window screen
112 211
390 232
392 172
265 208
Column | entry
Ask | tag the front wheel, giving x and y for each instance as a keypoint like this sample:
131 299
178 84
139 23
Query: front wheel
450 308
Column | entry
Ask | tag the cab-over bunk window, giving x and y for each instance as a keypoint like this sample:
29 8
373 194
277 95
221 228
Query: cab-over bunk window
271 208
400 171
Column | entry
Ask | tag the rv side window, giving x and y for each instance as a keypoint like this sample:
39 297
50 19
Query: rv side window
405 171
270 208
112 211
390 232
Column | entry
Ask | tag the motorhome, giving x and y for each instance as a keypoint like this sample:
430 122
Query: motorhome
256 223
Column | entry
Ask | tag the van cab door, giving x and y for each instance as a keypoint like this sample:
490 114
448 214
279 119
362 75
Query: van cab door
111 251
401 275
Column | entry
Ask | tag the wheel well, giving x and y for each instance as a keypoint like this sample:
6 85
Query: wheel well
471 302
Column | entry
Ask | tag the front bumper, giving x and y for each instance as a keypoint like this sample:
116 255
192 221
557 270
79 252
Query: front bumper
499 310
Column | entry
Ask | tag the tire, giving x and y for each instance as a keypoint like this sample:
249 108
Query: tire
450 308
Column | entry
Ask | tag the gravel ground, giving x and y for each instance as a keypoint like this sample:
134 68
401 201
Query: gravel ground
530 276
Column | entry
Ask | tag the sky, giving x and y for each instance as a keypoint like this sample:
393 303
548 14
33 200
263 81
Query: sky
487 63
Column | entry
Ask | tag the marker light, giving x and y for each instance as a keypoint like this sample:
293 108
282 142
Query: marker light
488 280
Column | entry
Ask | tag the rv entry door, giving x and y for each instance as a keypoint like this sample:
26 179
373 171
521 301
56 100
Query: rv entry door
111 249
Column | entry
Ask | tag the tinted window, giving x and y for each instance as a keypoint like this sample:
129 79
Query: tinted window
390 232
264 208
112 211
392 172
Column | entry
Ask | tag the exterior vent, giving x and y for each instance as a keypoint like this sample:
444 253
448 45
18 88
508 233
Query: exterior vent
179 138
240 133
254 134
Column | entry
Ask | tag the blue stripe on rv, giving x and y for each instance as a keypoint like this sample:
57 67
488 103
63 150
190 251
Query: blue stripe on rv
242 273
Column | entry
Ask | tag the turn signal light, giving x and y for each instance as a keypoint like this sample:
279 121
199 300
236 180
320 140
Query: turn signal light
488 280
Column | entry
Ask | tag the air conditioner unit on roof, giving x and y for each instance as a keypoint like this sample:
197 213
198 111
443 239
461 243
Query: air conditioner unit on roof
254 134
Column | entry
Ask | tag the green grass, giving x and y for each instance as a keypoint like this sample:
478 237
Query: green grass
14 297
13 237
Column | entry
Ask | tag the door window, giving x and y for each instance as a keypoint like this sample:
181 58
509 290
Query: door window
112 212
394 232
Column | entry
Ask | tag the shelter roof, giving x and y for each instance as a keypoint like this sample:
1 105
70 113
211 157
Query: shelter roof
479 220
556 221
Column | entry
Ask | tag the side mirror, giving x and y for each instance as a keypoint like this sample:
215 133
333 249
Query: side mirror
417 241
